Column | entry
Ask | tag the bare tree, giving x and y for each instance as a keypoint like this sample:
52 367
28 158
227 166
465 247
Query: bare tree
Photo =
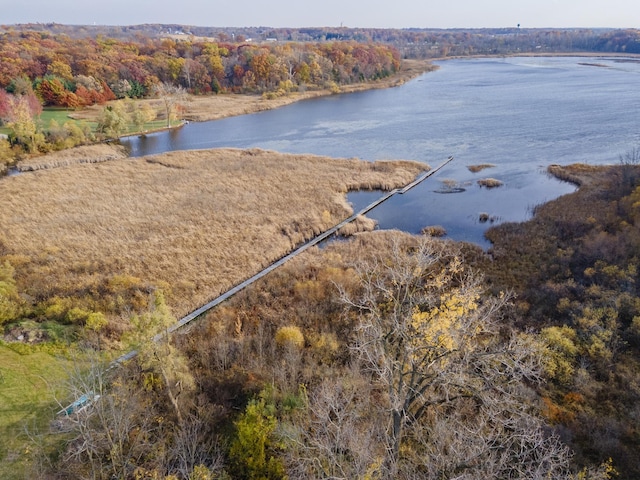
195 445
171 96
120 420
630 162
631 157
432 342
339 436
110 433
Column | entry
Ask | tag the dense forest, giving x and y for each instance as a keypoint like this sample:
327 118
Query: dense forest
386 355
59 66
411 42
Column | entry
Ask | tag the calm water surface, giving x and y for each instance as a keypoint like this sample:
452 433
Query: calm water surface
520 114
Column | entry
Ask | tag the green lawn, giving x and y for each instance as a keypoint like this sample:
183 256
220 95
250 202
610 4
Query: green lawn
60 115
27 399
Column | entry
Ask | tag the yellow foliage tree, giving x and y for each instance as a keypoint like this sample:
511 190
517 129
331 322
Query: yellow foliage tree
430 339
156 354
561 352
290 337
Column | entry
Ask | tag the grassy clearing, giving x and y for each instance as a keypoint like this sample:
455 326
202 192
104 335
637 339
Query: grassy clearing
193 222
91 115
26 400
60 115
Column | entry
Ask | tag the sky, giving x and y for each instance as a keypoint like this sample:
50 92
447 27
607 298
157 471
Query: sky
330 13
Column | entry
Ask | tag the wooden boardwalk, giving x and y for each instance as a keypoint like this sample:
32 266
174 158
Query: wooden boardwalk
320 238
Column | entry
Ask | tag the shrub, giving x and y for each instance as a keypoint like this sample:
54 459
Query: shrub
290 337
434 231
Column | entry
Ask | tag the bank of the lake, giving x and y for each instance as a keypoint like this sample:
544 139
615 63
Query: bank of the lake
201 108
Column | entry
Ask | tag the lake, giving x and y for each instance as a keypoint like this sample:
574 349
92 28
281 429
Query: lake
520 114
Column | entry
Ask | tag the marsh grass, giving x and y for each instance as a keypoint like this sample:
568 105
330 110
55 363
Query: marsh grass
434 231
578 173
194 222
100 152
490 182
480 167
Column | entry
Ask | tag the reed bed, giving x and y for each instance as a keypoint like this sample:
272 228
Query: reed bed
490 182
578 173
434 231
97 153
193 222
480 167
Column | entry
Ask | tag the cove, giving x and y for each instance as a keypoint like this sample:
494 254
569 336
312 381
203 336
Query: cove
520 114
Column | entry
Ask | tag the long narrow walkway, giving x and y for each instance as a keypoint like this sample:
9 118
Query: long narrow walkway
218 300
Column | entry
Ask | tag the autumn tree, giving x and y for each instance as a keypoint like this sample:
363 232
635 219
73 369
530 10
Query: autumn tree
25 131
6 154
165 367
54 91
252 451
141 114
5 104
114 120
170 96
430 340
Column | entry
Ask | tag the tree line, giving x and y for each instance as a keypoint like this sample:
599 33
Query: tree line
417 42
41 70
70 72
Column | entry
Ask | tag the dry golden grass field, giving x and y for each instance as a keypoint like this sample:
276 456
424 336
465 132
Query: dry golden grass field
192 222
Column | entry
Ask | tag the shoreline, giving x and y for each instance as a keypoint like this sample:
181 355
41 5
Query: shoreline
225 105
208 108
543 54
203 108
216 107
